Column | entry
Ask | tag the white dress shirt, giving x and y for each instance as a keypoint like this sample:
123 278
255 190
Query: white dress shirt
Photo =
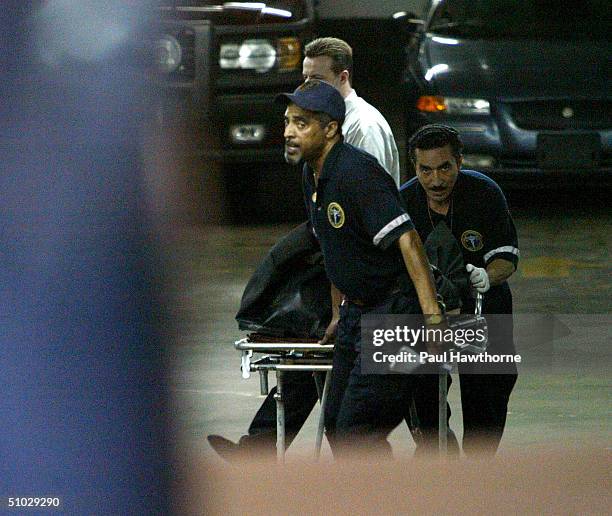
365 128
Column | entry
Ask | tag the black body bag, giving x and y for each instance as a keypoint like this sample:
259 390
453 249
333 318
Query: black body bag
446 259
289 293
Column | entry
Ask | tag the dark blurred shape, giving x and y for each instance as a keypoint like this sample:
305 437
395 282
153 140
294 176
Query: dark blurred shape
444 254
84 394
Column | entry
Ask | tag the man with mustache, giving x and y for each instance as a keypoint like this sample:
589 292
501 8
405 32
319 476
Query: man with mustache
475 209
373 258
331 60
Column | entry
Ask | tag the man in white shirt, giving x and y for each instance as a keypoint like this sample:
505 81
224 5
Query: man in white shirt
331 60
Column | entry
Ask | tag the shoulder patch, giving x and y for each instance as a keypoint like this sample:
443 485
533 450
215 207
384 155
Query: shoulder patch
335 215
472 240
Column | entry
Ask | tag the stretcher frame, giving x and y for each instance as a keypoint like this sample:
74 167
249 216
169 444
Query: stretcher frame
283 357
443 395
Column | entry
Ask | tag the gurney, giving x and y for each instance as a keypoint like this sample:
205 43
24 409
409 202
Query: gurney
286 357
288 296
283 358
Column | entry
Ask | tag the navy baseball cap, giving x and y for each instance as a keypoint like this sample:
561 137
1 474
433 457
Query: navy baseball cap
318 96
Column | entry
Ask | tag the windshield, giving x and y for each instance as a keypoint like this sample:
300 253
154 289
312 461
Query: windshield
236 13
522 19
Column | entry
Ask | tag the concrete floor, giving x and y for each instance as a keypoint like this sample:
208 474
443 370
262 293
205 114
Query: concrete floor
562 401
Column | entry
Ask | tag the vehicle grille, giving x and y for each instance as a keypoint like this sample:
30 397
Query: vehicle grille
560 114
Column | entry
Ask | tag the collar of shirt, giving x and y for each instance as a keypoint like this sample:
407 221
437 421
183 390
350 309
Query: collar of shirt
328 166
351 96
349 101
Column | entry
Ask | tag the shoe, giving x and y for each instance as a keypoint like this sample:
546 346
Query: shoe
253 447
226 449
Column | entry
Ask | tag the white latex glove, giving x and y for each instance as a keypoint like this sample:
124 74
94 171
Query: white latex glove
478 278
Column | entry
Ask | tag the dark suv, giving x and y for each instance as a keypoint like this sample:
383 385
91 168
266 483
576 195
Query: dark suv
526 83
227 61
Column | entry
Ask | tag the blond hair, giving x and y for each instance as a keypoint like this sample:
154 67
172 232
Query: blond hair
339 51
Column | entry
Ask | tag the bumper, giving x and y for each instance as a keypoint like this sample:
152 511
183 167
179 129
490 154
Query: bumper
539 178
538 158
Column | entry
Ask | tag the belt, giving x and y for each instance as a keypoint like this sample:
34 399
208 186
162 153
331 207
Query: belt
357 302
396 288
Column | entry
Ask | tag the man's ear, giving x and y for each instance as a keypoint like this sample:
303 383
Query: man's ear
344 76
331 130
459 161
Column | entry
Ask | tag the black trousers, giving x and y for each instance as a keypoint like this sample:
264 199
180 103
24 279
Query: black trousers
362 409
300 396
485 396
484 401
485 389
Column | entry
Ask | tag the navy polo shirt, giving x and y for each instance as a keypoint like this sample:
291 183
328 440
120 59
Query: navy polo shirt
480 221
357 214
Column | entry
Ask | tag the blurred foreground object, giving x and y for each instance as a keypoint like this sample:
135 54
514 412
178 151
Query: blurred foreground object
84 395
558 482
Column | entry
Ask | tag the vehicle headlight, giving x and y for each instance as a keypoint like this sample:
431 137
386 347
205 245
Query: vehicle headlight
261 55
168 54
251 54
453 105
459 106
229 56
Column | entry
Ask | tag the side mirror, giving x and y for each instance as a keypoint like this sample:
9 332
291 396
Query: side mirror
408 21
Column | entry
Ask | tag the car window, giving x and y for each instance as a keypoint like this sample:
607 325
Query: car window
533 19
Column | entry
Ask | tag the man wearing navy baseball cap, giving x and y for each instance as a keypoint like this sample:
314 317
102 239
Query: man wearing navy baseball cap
373 257
314 100
355 210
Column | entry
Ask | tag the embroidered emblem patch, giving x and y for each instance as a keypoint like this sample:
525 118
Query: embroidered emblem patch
335 215
472 240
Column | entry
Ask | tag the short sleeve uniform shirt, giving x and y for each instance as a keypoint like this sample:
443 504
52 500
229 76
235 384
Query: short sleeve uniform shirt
357 214
480 221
